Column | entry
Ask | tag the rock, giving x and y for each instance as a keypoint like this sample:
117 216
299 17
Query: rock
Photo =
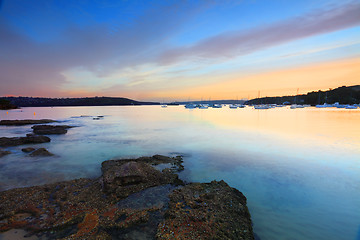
206 211
25 122
123 177
79 209
29 139
28 149
175 162
3 153
41 152
50 129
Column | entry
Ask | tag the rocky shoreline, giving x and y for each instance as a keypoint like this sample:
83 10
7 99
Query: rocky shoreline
139 198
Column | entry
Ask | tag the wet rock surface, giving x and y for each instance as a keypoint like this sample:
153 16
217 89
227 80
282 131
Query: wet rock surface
29 139
129 201
25 122
123 177
4 153
206 211
41 152
28 149
50 129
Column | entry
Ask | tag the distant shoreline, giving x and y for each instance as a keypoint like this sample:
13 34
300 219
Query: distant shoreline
74 102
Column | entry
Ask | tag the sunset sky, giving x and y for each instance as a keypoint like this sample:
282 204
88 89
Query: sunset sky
177 50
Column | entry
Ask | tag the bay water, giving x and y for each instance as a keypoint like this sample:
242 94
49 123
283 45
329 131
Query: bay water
298 168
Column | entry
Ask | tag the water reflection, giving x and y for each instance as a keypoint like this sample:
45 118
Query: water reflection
298 168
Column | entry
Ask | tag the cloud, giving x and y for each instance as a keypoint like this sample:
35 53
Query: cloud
237 43
27 65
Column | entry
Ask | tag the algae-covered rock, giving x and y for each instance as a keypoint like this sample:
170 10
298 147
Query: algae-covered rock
50 129
206 211
123 177
29 139
79 209
28 149
41 152
4 152
25 122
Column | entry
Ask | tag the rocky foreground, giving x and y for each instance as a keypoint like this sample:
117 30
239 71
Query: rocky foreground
132 199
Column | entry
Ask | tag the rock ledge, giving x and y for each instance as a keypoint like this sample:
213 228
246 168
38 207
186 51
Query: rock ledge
95 209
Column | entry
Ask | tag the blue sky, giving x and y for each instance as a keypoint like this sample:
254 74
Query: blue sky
153 50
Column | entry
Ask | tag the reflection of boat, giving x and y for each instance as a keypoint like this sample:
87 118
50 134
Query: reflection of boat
261 107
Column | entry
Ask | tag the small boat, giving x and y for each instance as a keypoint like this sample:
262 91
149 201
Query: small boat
294 106
233 106
173 104
351 107
163 105
217 105
203 106
261 107
190 106
325 105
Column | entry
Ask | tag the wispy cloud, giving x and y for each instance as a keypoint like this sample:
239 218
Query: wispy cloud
29 66
237 43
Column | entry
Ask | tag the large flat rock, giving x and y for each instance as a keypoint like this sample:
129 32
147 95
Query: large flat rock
29 139
123 177
83 209
50 129
206 211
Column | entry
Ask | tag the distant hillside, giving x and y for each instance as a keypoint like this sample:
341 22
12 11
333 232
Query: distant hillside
90 101
343 95
6 104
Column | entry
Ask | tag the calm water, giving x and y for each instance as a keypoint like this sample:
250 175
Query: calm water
299 169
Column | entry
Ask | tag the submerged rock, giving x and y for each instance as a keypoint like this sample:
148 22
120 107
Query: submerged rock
25 122
50 129
3 153
79 209
29 139
28 149
41 152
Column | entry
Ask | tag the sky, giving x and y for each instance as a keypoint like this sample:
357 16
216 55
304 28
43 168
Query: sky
177 50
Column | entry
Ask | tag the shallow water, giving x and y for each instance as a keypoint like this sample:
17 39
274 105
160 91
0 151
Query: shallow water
299 169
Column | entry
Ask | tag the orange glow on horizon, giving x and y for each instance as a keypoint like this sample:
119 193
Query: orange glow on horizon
309 78
236 85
